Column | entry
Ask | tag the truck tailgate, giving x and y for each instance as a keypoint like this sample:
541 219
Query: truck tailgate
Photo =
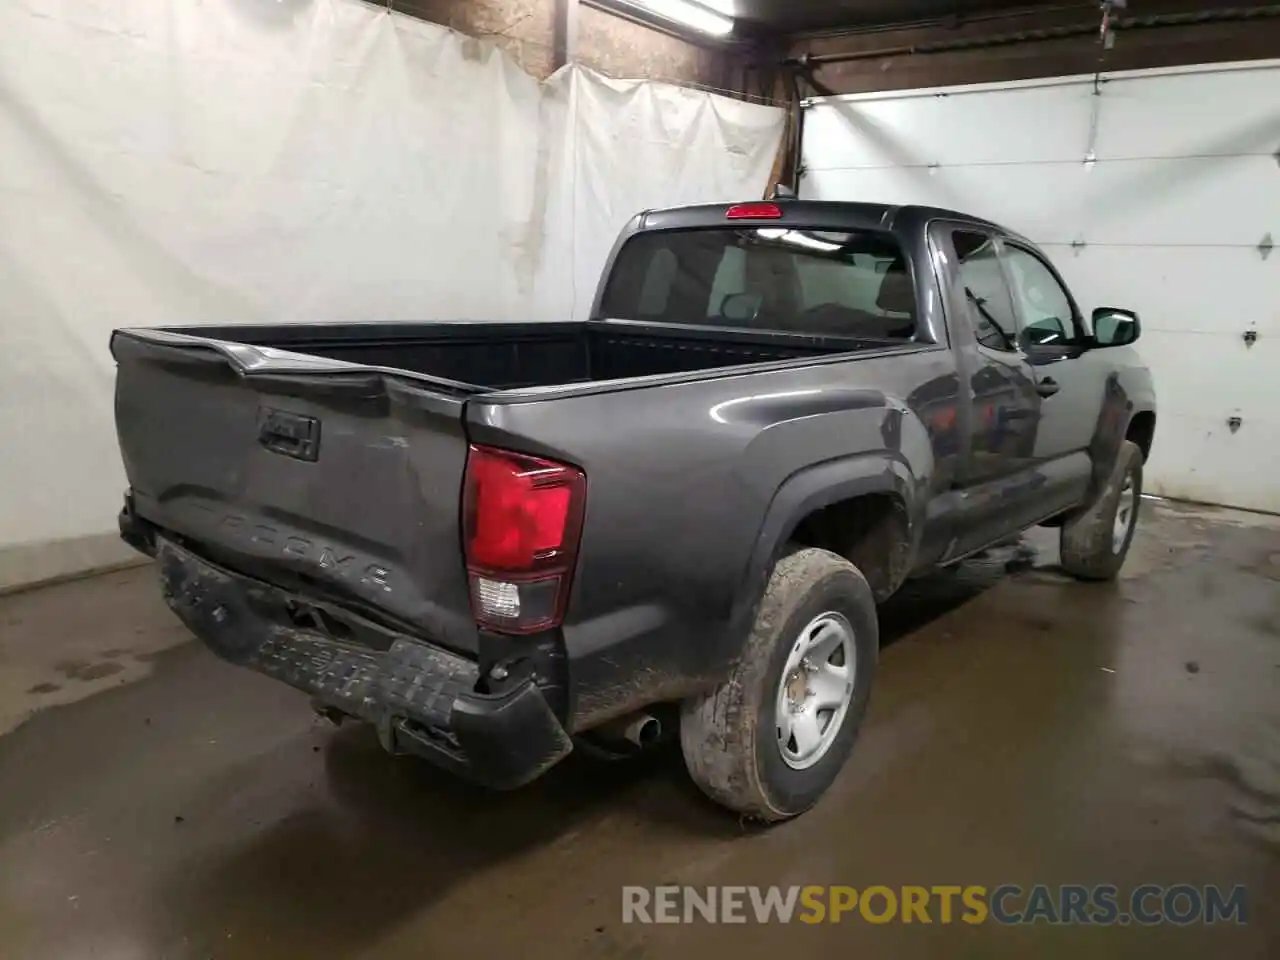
339 481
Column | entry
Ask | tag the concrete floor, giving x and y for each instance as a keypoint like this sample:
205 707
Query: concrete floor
1025 729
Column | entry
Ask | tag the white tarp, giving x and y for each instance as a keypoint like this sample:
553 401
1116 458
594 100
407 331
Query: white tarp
167 162
623 146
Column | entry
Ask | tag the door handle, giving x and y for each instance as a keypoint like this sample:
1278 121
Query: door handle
1047 386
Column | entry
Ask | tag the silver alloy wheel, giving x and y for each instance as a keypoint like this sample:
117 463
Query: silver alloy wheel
815 690
1126 513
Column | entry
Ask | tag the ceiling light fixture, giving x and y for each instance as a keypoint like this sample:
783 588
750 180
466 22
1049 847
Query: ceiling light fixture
797 239
692 14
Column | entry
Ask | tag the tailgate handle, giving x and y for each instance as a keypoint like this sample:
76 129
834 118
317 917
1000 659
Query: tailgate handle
290 434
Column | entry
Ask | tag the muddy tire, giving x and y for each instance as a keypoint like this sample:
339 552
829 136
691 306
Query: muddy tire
1095 543
785 682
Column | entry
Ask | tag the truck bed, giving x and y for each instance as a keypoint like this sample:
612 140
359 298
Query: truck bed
504 356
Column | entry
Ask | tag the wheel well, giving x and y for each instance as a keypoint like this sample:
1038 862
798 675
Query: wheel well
1142 430
870 531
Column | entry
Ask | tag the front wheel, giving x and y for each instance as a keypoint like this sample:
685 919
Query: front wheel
770 740
1095 543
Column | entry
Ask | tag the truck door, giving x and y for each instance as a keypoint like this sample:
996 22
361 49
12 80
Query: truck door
997 485
1070 380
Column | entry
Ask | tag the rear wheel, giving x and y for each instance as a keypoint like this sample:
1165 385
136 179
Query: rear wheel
1095 543
770 740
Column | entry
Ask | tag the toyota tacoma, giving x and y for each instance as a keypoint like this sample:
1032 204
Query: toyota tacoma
497 542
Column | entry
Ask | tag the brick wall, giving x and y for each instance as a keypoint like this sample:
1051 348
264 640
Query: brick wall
609 44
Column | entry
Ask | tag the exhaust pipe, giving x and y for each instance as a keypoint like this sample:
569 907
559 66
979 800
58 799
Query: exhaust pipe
640 729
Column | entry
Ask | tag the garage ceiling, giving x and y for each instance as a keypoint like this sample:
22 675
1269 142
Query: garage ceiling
801 16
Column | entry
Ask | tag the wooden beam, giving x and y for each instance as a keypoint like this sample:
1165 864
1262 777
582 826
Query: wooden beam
564 34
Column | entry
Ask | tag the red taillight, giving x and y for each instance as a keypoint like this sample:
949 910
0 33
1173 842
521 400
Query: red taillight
522 517
754 211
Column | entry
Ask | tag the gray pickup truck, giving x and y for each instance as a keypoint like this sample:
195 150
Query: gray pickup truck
499 541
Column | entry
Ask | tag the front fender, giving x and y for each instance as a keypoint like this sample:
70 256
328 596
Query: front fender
1127 392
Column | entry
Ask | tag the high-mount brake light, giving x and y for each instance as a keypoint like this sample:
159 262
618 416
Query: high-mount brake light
522 518
754 211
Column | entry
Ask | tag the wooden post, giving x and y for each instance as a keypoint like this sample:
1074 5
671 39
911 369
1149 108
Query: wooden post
564 34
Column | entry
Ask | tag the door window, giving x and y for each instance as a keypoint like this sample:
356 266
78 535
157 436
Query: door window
1048 318
989 305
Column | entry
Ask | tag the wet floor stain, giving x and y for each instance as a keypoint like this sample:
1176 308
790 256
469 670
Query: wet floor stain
74 640
1025 729
84 671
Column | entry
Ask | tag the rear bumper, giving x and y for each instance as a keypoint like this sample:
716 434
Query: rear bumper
422 699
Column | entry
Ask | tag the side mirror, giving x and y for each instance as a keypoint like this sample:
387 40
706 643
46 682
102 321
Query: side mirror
1115 327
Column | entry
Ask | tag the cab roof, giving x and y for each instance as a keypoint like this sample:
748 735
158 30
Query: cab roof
809 214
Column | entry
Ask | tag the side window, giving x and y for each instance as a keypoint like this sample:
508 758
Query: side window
1047 315
990 305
